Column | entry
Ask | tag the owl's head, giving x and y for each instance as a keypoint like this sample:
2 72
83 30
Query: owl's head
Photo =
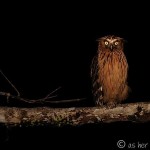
111 43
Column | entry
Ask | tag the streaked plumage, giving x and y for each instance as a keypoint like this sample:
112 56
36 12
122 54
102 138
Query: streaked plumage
109 71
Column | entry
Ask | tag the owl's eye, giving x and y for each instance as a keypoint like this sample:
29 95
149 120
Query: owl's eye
116 43
106 43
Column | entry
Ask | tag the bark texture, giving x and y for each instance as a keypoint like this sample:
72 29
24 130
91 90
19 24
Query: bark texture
133 112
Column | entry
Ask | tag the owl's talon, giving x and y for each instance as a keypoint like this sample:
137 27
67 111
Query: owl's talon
99 103
111 105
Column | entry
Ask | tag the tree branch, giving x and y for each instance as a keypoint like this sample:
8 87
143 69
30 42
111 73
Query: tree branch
132 112
18 94
40 100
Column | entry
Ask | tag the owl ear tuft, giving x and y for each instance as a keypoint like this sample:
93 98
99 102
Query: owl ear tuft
99 39
124 40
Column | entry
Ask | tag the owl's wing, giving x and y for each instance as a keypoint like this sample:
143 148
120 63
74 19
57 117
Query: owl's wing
94 69
97 87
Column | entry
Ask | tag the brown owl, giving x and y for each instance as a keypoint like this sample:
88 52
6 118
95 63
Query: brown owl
109 71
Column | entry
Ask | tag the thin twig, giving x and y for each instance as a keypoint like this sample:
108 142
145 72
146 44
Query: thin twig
8 95
52 92
66 101
41 100
18 94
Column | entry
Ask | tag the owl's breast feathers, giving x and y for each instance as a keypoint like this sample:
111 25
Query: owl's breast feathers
109 76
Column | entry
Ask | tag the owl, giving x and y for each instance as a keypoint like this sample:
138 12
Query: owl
109 72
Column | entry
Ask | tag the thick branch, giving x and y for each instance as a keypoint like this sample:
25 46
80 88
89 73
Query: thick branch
133 112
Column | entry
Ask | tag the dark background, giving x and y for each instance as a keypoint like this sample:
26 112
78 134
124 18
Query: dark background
43 48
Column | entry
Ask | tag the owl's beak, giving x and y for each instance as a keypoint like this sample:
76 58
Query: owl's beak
111 47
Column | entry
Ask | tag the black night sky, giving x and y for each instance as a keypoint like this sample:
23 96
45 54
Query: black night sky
44 48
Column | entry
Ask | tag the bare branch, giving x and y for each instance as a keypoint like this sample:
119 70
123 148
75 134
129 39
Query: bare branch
18 94
66 101
133 112
41 100
52 92
8 95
